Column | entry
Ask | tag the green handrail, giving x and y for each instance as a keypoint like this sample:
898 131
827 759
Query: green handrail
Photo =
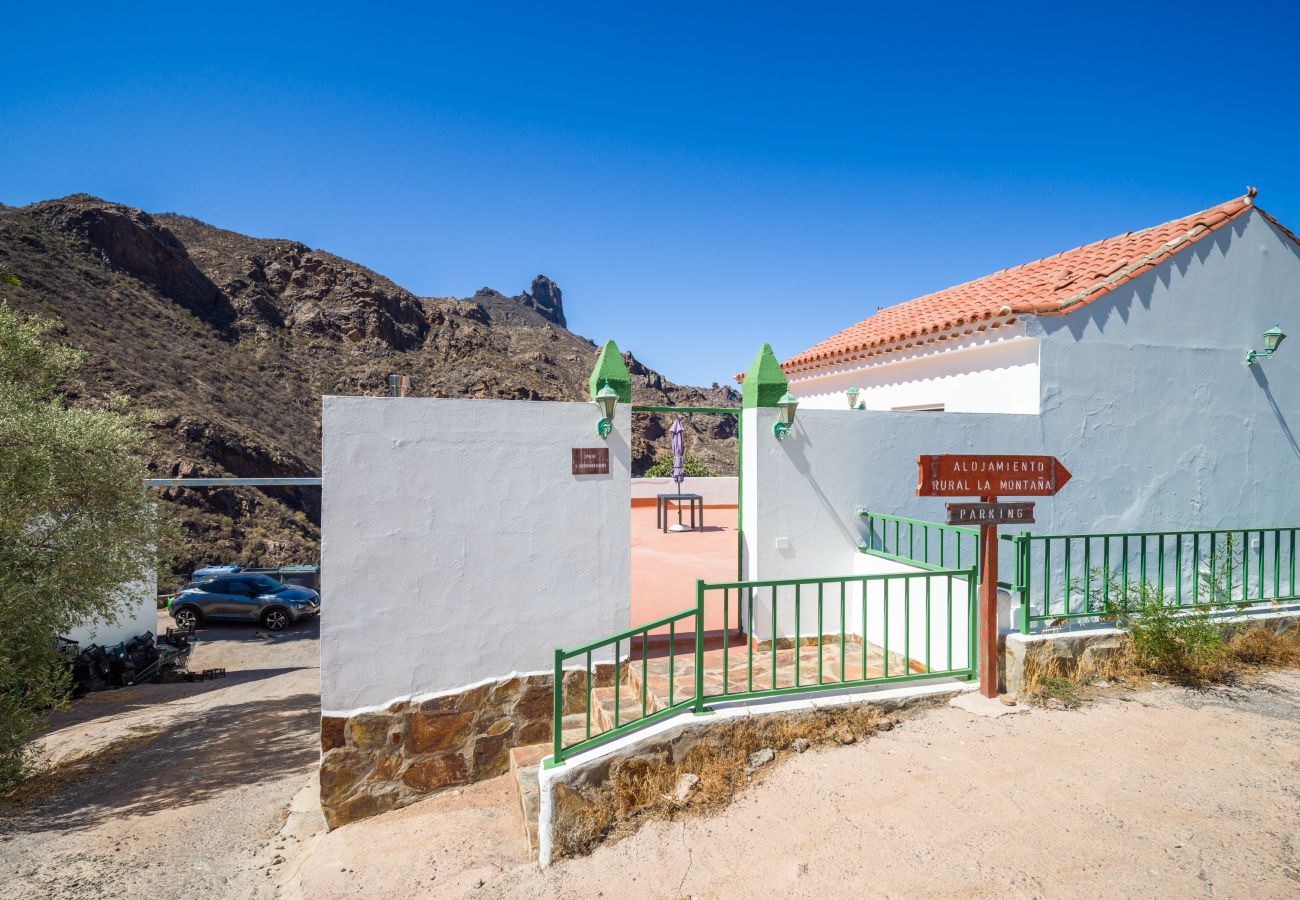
1206 568
918 604
940 545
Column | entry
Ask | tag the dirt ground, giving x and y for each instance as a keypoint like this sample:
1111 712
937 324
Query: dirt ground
1168 792
187 786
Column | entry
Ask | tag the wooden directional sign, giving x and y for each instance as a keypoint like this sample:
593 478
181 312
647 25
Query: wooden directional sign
990 513
970 475
989 477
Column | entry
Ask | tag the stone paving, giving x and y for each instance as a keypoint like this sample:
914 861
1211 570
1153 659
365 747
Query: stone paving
740 667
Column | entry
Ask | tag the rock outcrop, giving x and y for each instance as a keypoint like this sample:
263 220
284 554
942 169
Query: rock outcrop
226 343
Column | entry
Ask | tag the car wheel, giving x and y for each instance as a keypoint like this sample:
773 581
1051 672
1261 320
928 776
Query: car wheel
275 620
186 617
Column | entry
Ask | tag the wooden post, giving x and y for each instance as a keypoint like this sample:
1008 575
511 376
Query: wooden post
988 642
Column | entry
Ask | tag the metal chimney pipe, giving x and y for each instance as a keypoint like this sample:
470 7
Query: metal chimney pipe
398 385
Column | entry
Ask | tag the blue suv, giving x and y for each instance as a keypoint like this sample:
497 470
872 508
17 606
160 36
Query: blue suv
243 597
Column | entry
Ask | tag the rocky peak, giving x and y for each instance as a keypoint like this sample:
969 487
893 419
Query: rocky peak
544 296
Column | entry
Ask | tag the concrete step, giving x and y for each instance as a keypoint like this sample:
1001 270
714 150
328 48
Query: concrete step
524 764
632 684
629 703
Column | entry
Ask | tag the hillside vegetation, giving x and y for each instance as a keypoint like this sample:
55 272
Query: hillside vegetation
226 343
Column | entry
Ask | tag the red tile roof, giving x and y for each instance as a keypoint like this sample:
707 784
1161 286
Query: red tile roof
1053 286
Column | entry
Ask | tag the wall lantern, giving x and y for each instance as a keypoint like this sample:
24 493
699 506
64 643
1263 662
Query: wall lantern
606 400
787 405
1272 340
853 397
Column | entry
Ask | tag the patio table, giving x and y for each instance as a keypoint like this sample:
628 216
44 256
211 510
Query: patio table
665 502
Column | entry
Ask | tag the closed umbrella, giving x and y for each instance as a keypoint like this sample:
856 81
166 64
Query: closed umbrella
679 469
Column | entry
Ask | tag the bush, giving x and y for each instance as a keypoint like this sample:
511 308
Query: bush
663 468
75 525
1176 642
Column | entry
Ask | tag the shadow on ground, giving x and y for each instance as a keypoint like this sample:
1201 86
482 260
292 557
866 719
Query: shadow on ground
186 762
227 636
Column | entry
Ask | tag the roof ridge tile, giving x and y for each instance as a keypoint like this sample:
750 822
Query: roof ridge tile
1031 288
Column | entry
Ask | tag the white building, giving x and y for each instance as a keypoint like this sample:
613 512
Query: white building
979 346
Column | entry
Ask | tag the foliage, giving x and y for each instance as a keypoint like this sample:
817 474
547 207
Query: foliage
663 468
76 524
1171 640
1053 692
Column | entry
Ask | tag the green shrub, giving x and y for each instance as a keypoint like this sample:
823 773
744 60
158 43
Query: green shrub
1173 641
663 468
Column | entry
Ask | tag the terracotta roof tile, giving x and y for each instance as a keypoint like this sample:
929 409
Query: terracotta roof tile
1055 285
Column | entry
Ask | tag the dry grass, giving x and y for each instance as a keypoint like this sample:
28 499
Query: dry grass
48 778
1051 683
642 788
1260 646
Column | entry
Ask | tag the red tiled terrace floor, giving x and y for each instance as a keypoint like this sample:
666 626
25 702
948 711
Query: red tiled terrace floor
665 566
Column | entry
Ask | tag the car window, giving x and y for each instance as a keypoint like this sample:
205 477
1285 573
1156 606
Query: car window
266 585
215 585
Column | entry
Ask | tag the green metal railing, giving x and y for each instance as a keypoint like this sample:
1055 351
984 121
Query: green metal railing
612 647
847 619
822 613
1066 577
928 545
1088 576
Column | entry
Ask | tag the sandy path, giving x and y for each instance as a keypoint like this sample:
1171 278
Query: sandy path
1167 793
195 808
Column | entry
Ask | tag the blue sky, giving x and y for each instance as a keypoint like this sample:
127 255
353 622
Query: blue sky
698 178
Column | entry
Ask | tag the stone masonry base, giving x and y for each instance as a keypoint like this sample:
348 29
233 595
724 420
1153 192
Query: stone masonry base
581 805
372 762
1067 650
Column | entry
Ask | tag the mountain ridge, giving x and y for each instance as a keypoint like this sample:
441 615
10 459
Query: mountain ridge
226 343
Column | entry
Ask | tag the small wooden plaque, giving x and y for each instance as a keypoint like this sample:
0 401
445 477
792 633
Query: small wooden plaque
990 513
590 460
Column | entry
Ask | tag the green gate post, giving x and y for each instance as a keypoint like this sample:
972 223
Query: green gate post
557 709
1022 578
699 647
972 622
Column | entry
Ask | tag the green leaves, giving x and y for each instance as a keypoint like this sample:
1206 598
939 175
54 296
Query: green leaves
663 468
76 523
10 278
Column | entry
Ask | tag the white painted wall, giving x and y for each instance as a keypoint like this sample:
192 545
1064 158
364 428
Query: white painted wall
992 371
1145 398
137 614
456 545
719 491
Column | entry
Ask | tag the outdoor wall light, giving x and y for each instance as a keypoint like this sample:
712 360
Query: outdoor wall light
1272 340
787 405
606 400
853 396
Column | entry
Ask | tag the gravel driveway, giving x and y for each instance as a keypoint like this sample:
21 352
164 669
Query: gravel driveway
186 786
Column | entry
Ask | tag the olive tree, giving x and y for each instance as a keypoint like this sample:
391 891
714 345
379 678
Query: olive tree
76 524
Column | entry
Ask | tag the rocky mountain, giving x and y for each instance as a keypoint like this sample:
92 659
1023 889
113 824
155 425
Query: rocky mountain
226 343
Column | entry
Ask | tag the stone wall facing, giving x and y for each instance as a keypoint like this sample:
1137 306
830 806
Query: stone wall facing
1066 651
375 761
602 798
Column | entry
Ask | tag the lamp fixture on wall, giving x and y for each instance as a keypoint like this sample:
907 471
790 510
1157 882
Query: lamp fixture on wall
606 400
852 394
1272 340
787 404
